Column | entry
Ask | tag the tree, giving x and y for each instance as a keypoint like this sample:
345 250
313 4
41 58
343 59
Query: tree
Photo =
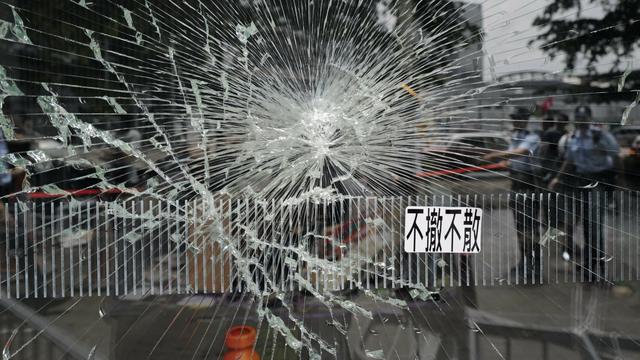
567 32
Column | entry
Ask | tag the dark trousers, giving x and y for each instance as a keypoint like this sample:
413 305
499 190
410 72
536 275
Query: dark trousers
585 204
593 201
6 189
525 205
559 211
593 216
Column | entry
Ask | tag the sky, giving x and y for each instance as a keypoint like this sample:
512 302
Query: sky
508 29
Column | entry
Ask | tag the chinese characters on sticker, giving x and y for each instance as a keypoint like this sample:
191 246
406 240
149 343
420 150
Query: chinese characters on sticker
433 229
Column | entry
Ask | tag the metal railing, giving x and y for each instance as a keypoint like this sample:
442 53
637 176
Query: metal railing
59 248
501 337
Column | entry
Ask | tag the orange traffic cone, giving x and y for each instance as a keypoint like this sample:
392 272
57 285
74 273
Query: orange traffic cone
240 341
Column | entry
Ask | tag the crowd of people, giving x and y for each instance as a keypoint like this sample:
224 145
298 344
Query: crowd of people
574 170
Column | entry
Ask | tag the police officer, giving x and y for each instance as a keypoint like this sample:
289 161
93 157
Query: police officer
590 154
555 216
520 158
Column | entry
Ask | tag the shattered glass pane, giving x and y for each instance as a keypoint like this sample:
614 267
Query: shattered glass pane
214 179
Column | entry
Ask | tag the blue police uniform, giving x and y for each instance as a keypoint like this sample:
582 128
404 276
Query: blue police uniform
522 168
592 154
523 203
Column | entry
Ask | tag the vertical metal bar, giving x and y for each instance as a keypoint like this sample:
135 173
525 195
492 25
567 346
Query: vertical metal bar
182 241
200 241
586 215
452 263
89 250
224 253
636 240
53 250
324 243
552 219
25 253
416 256
597 221
34 247
528 257
163 231
108 241
542 228
400 253
556 223
498 240
45 271
515 213
276 259
285 241
536 256
343 220
606 267
376 237
359 253
127 226
172 245
143 245
79 222
310 214
229 228
366 242
72 282
393 236
409 255
80 253
629 236
6 251
291 235
568 230
215 259
136 222
116 256
16 249
619 233
63 269
117 242
99 224
593 237
461 257
199 245
387 241
443 268
469 257
475 269
210 240
152 253
491 250
574 200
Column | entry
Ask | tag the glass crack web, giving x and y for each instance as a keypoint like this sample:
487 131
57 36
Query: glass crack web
244 135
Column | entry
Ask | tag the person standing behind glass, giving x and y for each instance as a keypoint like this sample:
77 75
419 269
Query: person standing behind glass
590 154
520 158
555 216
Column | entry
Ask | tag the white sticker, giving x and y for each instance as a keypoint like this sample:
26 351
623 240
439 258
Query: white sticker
444 230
